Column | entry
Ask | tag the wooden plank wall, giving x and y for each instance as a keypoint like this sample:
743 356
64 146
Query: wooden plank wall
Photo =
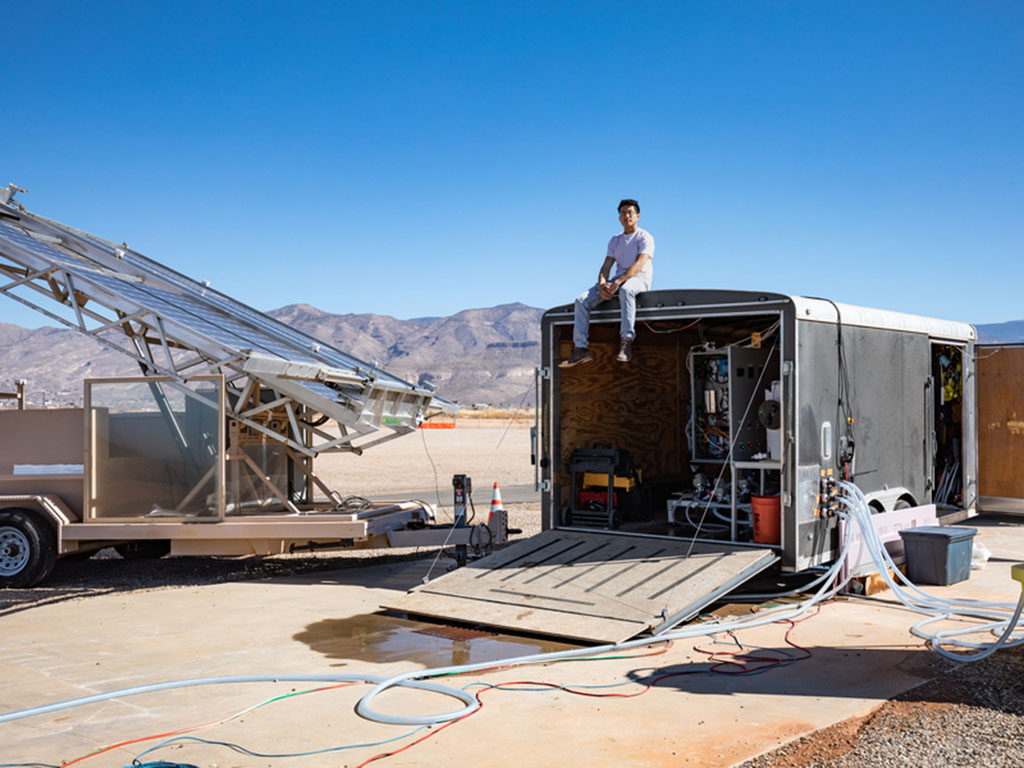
1001 422
639 406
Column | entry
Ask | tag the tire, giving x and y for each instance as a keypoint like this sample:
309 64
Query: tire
28 548
144 549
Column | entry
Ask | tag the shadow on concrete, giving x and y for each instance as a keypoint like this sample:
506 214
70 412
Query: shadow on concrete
785 671
74 579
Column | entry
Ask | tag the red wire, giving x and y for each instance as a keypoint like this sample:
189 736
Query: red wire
179 730
766 661
647 688
382 755
433 733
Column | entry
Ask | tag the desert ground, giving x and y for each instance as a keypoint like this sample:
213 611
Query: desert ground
969 715
487 450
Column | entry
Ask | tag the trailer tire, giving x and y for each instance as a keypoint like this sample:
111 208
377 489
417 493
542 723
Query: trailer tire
144 549
28 548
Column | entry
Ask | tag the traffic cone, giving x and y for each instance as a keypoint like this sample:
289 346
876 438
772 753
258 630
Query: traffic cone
495 502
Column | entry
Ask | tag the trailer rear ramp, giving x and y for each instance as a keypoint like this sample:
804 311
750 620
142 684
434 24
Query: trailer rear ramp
589 586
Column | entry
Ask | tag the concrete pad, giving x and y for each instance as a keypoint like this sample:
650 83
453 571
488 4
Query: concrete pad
862 652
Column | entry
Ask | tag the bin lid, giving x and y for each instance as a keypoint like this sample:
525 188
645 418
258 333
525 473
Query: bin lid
950 532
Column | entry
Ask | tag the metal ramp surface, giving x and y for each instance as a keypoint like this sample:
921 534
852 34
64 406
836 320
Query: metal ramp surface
595 587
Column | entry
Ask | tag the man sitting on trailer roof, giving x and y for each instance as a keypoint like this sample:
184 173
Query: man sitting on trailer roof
631 252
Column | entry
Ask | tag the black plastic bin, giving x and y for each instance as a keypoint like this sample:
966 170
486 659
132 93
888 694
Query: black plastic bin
938 555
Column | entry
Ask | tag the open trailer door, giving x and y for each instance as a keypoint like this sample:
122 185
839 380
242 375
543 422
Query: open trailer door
590 586
1001 428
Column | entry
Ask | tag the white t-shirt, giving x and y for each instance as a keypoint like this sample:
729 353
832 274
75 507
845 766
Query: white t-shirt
625 248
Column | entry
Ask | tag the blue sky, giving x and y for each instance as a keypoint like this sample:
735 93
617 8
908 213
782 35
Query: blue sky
416 159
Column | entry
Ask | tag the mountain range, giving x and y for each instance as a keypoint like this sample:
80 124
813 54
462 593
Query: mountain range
474 356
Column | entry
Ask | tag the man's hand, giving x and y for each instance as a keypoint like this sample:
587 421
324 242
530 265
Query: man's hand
607 289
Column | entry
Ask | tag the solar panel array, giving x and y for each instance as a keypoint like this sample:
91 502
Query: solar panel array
203 319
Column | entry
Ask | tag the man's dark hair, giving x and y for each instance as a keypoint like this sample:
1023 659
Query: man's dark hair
627 201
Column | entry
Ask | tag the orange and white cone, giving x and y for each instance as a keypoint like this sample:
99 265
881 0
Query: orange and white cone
495 502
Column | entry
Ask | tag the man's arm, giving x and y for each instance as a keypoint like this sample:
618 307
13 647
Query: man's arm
604 286
633 271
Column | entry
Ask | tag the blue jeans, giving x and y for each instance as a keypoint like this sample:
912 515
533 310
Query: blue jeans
587 300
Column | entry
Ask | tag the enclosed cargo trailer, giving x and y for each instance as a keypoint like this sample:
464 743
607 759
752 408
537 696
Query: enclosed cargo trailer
670 480
741 396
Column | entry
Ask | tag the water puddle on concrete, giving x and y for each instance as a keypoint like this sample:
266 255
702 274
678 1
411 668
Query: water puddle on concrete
381 638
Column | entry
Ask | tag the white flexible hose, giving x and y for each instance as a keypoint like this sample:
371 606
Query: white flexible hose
197 681
413 679
1002 617
766 616
851 499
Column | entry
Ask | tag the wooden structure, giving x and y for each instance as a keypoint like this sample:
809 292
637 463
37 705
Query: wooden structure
18 394
1001 427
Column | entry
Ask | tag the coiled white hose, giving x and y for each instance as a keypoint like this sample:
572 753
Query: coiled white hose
414 679
851 500
1001 617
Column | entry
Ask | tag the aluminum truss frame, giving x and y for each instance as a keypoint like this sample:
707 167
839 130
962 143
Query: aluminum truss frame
176 327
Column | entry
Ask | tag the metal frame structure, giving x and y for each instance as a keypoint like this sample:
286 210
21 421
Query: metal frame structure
178 328
278 391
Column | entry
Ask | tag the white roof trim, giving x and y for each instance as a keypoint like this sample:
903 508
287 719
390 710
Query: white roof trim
821 311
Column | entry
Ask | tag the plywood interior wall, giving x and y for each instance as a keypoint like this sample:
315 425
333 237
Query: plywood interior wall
639 406
1001 422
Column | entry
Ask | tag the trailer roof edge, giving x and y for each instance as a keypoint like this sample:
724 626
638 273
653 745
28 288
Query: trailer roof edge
824 311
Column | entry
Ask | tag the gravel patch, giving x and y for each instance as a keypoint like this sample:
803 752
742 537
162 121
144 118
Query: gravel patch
969 715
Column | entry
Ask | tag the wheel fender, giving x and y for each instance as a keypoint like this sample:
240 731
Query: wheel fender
48 506
889 498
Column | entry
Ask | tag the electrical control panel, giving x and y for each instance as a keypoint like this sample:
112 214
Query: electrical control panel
727 388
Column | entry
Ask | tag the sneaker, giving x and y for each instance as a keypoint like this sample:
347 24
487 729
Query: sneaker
625 351
577 356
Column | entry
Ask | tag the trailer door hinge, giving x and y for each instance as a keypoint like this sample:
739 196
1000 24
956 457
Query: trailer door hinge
787 367
544 373
544 485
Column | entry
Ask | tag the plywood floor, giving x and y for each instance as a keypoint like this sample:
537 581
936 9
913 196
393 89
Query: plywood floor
595 587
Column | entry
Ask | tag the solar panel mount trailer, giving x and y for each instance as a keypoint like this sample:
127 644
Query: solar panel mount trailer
733 394
211 449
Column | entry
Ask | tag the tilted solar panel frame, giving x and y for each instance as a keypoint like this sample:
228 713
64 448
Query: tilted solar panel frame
178 327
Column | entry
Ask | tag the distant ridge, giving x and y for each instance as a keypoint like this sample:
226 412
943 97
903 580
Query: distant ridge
475 356
1006 333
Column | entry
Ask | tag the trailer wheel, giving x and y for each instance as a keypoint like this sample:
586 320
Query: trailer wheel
144 549
28 548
